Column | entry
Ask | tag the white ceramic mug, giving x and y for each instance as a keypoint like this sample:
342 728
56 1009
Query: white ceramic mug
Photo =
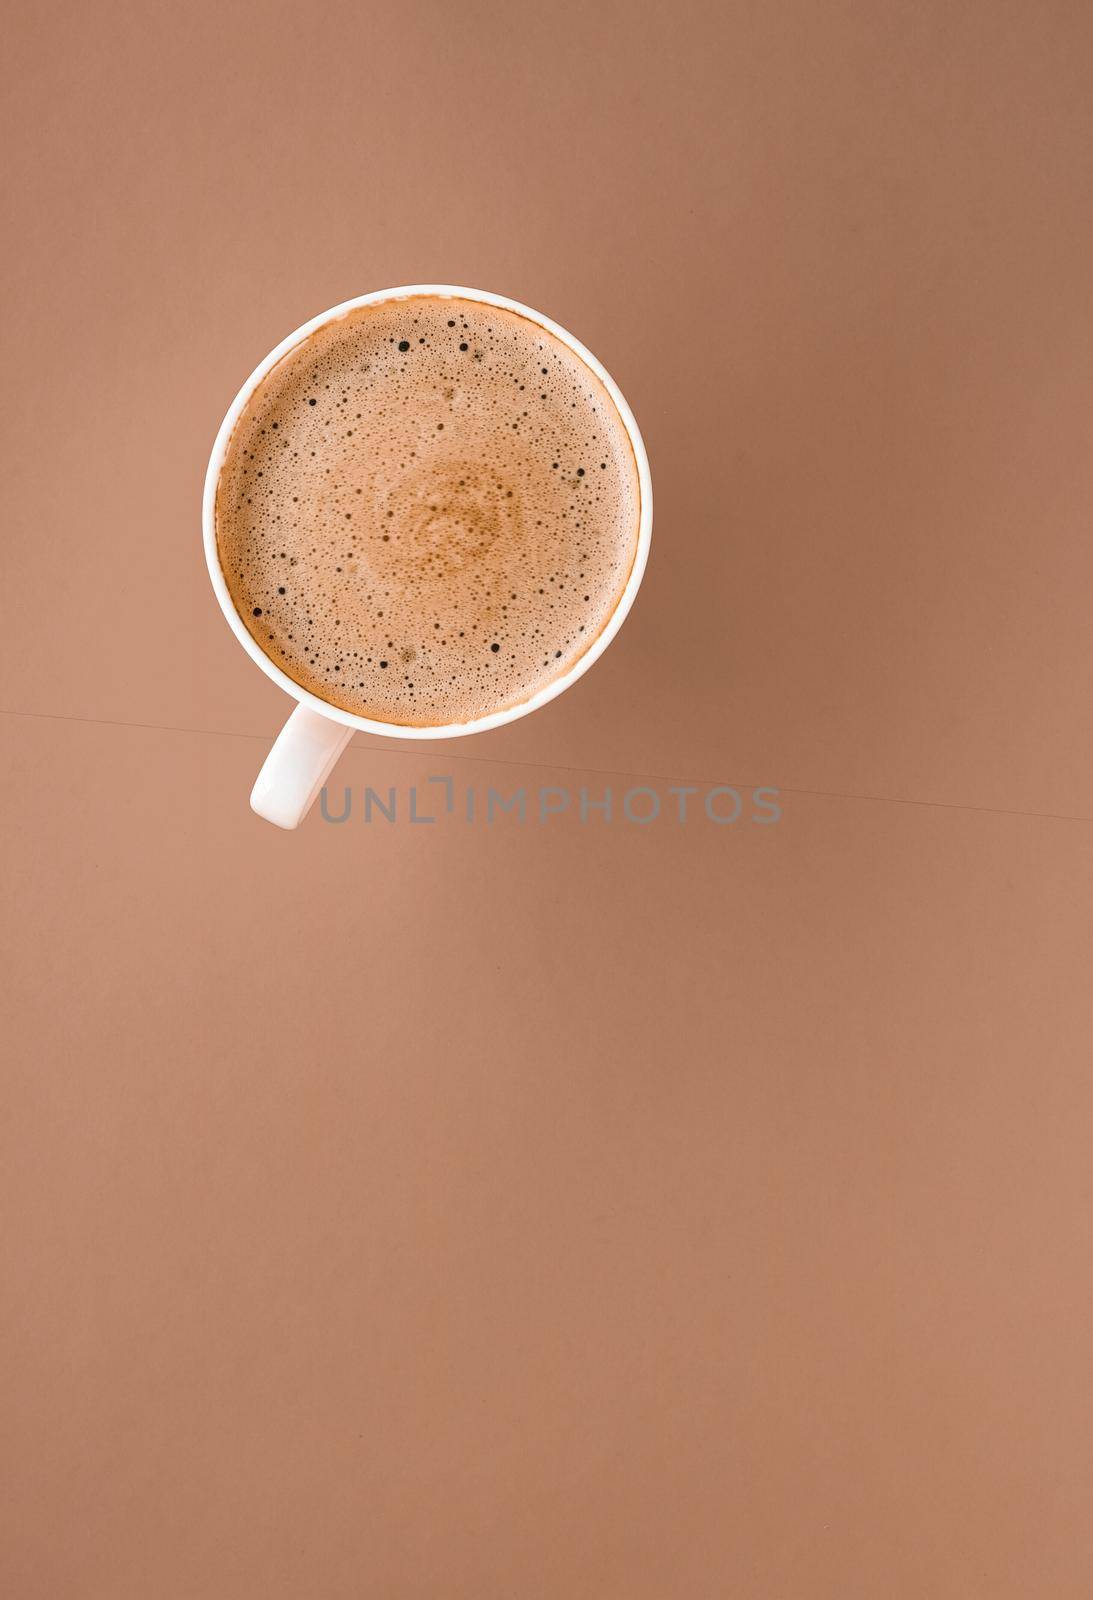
316 733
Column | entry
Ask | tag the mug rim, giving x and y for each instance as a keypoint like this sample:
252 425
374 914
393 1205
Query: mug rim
493 719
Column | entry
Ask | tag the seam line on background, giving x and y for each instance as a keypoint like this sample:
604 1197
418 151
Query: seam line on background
548 766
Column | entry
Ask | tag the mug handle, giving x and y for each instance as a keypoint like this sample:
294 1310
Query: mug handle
300 762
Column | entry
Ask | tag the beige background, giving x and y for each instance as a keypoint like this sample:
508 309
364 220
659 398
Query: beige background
606 1212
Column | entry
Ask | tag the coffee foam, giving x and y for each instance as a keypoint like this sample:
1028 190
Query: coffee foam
428 511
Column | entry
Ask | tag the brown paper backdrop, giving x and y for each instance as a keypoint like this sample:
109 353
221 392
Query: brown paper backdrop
562 1211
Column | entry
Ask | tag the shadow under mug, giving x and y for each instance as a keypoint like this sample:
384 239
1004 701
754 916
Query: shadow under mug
304 753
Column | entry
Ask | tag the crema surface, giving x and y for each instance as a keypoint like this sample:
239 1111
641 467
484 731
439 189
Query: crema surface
428 511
